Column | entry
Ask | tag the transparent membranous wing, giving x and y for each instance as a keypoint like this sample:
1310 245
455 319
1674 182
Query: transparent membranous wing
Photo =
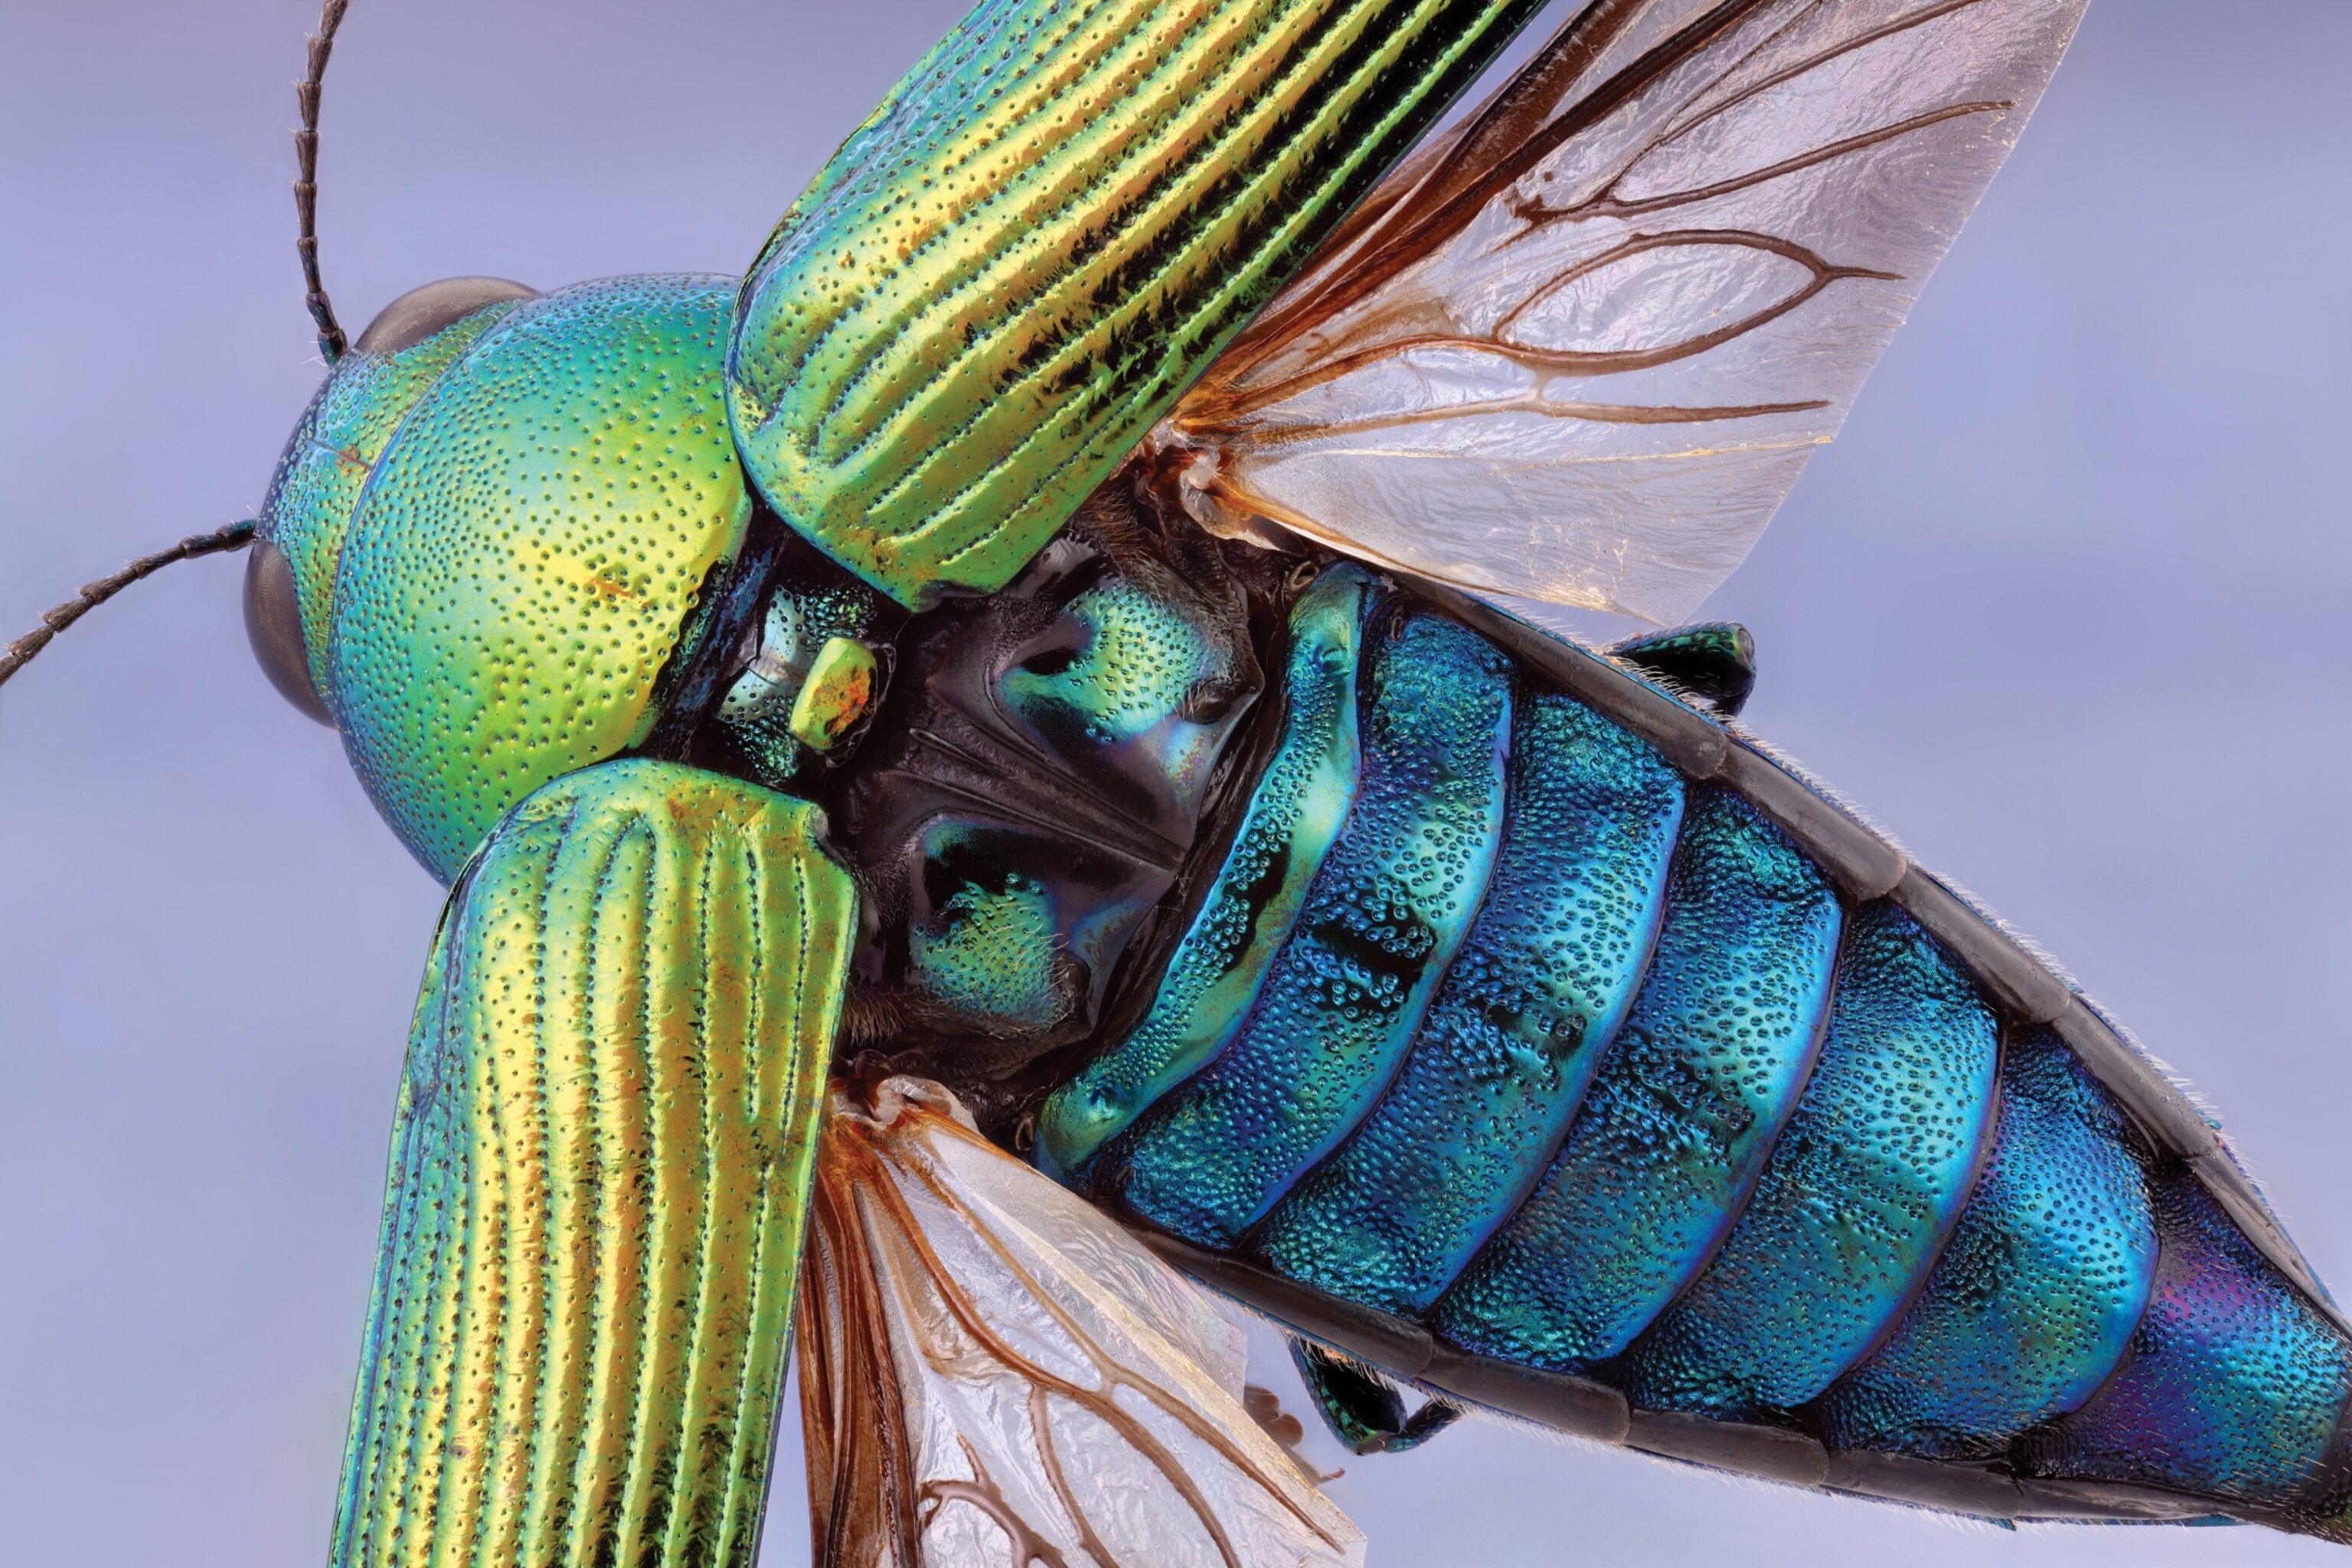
995 1375
1578 349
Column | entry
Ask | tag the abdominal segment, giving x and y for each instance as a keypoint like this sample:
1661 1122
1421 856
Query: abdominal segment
1572 1058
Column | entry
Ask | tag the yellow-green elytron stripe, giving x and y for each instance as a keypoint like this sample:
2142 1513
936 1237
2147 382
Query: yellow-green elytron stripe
599 1177
1053 223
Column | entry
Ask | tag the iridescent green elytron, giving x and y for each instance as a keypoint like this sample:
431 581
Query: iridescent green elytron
520 540
784 682
1047 230
599 1171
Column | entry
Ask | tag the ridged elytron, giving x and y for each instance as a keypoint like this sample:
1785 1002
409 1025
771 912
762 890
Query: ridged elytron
991 696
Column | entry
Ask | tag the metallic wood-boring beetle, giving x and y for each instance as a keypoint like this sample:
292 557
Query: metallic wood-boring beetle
888 1005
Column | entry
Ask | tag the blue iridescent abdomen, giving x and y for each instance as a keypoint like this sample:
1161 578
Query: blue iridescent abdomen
1697 1087
1504 1057
1568 1050
1383 920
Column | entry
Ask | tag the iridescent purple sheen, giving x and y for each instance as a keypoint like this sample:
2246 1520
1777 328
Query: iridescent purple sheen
2233 1386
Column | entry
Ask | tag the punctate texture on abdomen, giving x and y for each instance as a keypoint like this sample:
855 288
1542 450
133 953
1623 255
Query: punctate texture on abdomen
1583 1064
1857 1197
1508 1048
1679 1120
1384 921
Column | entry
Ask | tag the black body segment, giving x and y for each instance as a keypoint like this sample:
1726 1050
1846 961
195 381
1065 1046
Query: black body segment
1034 781
1245 917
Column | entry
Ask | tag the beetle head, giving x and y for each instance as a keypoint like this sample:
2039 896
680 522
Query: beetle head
489 538
289 577
487 546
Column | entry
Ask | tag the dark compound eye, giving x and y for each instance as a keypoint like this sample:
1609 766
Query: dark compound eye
421 312
273 620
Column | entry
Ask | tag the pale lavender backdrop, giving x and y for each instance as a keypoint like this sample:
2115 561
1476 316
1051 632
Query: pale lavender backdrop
2066 607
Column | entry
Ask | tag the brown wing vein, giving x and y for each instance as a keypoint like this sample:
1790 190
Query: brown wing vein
853 1180
1099 1401
1222 417
1040 1413
1507 139
1605 206
856 1426
1536 403
1860 41
1563 59
982 1493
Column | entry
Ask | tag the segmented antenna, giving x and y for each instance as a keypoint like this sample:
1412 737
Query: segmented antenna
331 344
19 654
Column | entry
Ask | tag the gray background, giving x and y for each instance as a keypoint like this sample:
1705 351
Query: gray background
2066 607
